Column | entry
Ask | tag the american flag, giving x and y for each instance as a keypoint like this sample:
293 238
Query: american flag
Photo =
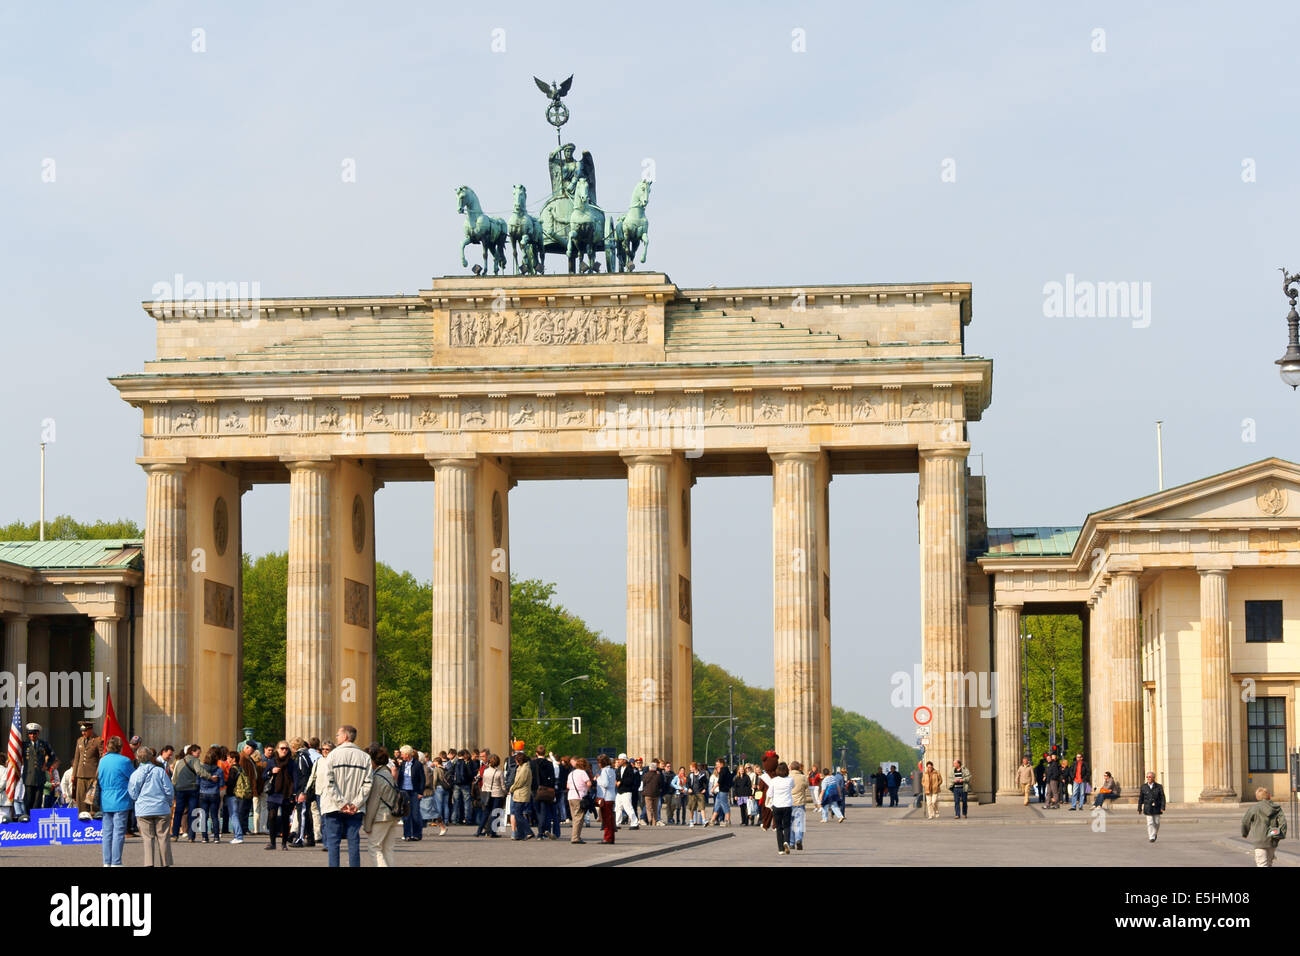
15 754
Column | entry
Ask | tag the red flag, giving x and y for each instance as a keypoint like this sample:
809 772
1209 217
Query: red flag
112 728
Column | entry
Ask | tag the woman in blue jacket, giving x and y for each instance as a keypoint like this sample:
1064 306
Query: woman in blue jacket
211 779
150 788
113 778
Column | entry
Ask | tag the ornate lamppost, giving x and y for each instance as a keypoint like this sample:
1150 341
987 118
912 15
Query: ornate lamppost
1289 364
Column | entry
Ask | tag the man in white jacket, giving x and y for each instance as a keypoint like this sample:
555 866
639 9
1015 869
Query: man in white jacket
344 778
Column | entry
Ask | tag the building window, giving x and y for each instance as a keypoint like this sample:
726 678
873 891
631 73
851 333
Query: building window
1266 734
1263 621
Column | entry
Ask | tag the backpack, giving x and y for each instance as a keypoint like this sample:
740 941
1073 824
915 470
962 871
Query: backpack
243 789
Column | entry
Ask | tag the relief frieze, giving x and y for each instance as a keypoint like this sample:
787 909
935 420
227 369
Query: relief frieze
599 325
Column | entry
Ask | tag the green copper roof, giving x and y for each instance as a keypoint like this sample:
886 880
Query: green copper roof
95 553
1048 540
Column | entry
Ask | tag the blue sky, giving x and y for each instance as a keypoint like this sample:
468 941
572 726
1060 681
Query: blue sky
772 167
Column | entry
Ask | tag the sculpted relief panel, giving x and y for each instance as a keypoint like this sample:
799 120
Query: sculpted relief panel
604 325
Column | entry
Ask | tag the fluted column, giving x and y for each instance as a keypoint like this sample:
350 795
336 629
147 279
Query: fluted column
1126 683
455 704
15 644
796 606
1007 656
106 655
943 600
309 641
1216 692
165 651
651 603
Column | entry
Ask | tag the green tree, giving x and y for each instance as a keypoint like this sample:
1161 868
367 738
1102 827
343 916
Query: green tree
548 647
403 657
266 582
67 528
1056 642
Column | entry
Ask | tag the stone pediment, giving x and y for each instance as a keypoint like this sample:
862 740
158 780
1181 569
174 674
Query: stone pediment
1268 489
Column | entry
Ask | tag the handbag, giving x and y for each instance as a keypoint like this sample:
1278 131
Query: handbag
545 794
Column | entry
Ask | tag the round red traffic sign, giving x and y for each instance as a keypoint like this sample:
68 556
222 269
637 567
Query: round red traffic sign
922 715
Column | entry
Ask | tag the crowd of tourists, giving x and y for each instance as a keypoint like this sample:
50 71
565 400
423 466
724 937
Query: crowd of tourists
303 792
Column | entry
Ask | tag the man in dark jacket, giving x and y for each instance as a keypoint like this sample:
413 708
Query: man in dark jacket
544 793
38 760
410 777
893 780
1151 801
722 795
1040 778
629 782
1052 777
652 782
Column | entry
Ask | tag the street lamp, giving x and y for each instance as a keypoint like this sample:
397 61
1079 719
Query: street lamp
1289 363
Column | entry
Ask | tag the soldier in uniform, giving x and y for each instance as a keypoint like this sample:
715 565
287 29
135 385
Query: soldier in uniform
38 758
85 768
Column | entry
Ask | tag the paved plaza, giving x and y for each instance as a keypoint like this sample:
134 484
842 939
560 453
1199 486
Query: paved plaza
996 835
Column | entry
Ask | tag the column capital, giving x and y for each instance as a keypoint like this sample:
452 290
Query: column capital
1214 564
1117 564
1003 604
165 466
959 450
466 460
795 453
17 618
308 463
655 455
113 618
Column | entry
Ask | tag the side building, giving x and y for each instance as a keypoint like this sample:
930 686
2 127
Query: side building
1190 601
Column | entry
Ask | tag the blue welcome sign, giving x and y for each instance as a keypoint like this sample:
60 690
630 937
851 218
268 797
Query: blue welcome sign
58 827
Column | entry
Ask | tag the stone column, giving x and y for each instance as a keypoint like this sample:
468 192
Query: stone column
651 607
165 647
455 704
309 641
106 660
1126 683
796 606
15 645
943 600
1216 692
1007 658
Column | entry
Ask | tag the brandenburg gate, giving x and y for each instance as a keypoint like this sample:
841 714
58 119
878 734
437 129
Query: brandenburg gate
480 382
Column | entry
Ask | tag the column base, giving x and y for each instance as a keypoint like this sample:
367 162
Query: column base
1216 795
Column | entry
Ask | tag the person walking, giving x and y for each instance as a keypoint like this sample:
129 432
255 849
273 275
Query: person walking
493 790
281 775
606 793
742 789
780 795
722 795
378 824
960 788
931 781
1052 775
651 787
150 790
832 787
113 778
577 785
344 781
893 780
544 791
1263 825
798 804
1151 802
521 797
1025 778
410 777
629 782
